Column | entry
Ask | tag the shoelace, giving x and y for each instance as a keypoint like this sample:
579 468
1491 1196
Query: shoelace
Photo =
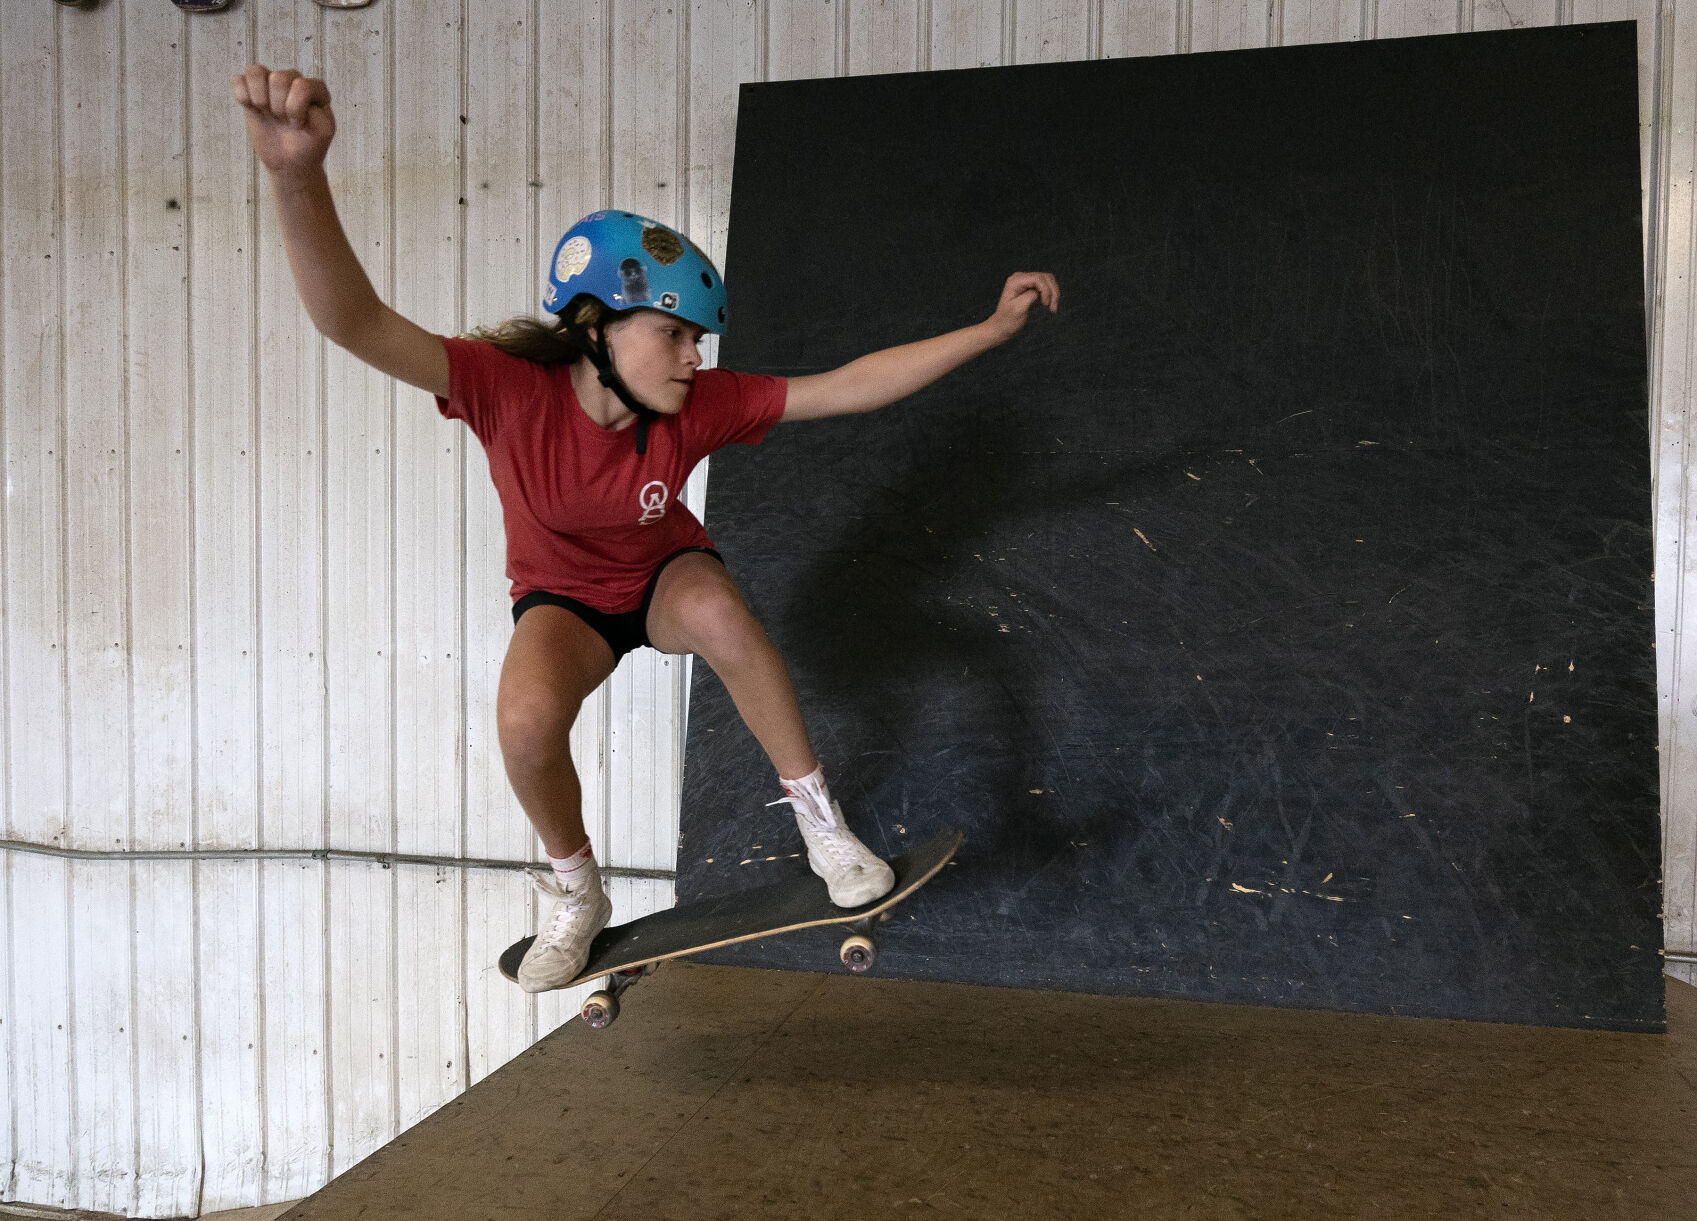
826 821
804 808
559 928
568 906
833 838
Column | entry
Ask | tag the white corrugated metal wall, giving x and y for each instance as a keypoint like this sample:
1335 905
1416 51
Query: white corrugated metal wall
252 594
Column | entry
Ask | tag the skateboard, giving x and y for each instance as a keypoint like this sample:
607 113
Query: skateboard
627 952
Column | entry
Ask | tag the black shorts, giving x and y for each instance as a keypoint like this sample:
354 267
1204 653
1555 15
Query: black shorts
625 632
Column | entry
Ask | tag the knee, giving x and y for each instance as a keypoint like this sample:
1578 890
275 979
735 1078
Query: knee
722 629
535 729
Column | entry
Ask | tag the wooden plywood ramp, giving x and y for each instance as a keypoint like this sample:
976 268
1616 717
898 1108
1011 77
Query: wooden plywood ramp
729 1092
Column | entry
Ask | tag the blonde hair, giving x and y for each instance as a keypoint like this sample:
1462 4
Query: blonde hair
547 342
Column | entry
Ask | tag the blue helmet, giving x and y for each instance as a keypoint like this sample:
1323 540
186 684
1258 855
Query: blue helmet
627 261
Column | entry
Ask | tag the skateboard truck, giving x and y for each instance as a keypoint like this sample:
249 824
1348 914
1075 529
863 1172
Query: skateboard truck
602 1007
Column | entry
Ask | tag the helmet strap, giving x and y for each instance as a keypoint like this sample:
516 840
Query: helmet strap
602 358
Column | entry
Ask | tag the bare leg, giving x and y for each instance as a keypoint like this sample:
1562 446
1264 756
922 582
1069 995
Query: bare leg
698 609
553 663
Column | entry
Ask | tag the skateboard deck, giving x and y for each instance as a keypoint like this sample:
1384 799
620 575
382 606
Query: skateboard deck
628 951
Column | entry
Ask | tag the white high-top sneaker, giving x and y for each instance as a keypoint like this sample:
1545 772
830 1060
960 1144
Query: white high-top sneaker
562 943
852 873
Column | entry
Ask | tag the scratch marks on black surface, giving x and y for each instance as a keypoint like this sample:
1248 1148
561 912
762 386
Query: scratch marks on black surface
1502 506
1010 899
1268 890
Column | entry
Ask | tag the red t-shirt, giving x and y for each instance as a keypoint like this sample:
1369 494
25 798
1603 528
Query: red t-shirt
586 516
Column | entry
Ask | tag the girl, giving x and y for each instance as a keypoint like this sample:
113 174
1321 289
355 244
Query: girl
591 424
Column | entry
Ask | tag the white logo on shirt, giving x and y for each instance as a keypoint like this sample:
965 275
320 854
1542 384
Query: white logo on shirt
653 497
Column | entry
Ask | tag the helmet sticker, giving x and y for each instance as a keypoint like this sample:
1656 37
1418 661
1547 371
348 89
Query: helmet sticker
668 300
634 281
573 258
662 245
551 297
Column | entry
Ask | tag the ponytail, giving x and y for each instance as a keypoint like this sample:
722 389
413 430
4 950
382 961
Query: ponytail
555 341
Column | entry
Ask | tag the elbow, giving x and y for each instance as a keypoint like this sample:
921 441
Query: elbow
339 328
351 327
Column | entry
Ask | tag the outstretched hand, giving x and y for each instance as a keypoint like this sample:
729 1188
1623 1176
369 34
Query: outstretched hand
1023 290
289 122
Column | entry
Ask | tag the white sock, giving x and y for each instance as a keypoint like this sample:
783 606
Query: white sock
812 789
574 870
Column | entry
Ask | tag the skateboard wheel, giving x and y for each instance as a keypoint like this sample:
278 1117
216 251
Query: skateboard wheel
858 954
599 1010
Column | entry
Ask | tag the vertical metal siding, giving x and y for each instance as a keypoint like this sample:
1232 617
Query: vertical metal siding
1674 55
423 184
252 594
223 400
40 1109
99 641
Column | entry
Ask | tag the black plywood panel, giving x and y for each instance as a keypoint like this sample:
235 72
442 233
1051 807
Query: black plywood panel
1276 620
